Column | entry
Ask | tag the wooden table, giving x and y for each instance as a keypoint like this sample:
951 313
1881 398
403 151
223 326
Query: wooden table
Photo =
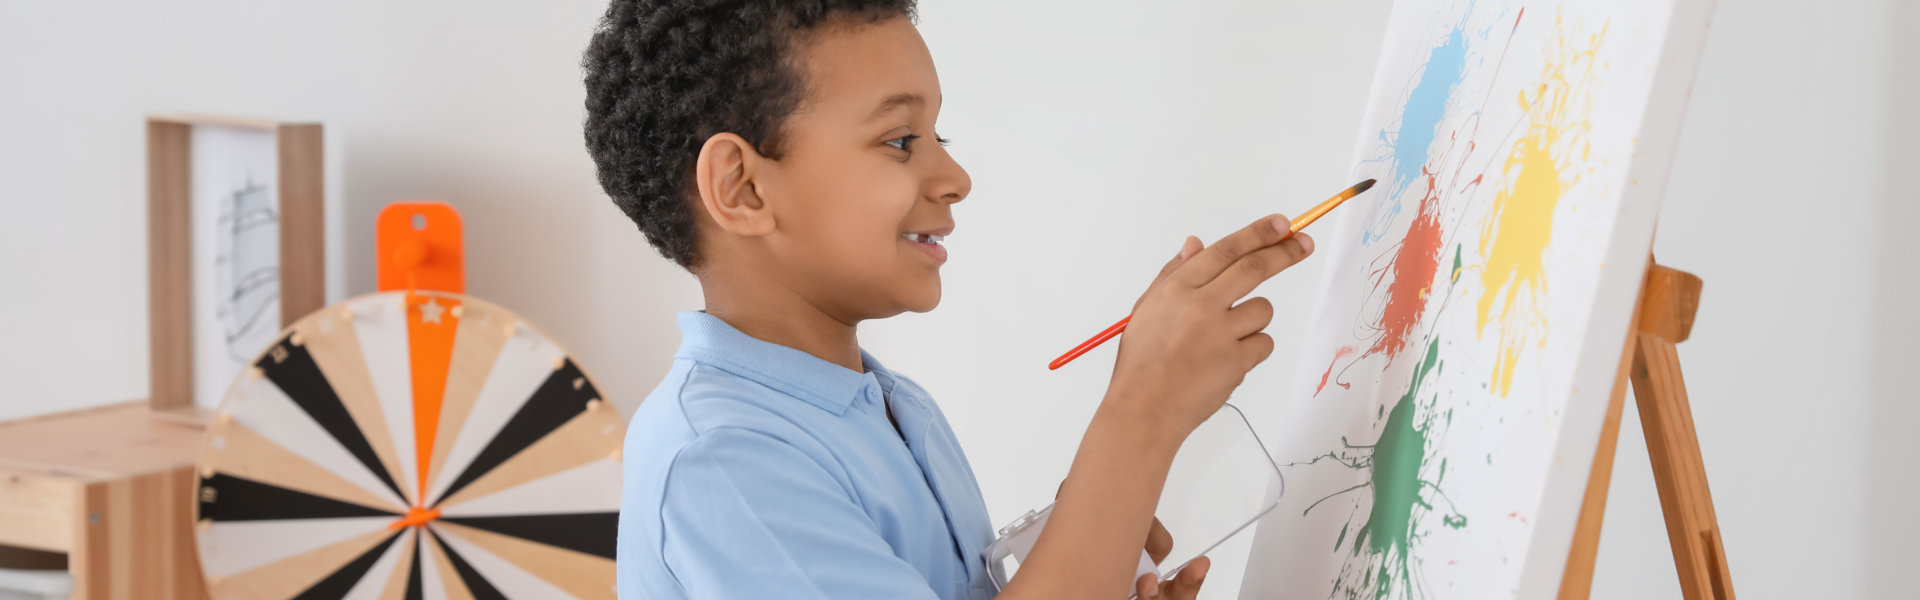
110 487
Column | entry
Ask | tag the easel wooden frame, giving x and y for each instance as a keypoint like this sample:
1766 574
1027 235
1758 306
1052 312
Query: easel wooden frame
1650 362
170 243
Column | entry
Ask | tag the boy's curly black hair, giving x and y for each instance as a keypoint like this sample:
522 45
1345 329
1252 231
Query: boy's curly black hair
664 75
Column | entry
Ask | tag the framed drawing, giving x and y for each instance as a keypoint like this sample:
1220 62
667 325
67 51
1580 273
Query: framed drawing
235 248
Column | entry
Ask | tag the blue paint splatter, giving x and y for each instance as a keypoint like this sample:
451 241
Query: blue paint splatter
1420 122
1420 119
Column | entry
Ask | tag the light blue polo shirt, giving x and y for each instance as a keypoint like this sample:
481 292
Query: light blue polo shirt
760 471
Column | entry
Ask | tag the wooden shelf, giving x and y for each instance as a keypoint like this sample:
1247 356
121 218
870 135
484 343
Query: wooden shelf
111 487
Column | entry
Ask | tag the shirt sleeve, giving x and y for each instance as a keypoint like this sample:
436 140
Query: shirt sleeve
746 515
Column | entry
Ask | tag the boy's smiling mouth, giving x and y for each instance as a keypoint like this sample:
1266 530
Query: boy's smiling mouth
928 241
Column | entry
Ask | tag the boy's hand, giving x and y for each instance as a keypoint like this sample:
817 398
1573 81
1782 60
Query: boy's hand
1188 345
1184 585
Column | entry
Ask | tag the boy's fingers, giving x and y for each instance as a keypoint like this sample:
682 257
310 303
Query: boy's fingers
1215 259
1174 263
1159 542
1186 584
1188 248
1257 267
1147 586
1255 349
1250 317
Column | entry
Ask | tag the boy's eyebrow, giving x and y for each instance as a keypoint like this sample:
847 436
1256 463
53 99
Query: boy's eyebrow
895 101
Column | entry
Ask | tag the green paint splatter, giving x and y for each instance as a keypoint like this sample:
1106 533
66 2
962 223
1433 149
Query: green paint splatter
1382 555
1388 533
1456 264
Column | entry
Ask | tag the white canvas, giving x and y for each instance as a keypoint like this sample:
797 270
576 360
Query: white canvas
1442 423
236 253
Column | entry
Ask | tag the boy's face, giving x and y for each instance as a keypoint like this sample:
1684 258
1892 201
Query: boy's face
863 190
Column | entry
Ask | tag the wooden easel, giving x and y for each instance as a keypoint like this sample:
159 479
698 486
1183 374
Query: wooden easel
1664 317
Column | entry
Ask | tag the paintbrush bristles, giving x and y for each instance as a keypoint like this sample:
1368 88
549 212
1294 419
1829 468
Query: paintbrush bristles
1314 214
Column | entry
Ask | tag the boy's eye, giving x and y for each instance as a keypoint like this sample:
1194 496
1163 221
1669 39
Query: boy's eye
904 143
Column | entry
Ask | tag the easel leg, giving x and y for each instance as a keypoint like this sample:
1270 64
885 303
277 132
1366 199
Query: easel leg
1679 472
1664 317
1577 582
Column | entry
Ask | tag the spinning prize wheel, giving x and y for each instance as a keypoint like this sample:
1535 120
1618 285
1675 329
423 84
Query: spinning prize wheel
411 444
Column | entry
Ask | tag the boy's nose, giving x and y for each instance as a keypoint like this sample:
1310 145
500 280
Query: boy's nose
951 183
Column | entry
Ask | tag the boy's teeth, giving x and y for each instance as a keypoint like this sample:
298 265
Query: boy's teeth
923 238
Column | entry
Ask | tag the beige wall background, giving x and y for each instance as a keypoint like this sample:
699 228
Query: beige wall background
1098 134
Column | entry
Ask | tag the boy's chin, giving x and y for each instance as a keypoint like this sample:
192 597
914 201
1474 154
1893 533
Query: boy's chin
924 303
923 296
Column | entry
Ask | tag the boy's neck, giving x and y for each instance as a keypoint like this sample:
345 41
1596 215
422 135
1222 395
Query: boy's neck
773 313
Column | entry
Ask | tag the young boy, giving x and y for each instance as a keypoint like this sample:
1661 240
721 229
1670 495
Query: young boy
785 152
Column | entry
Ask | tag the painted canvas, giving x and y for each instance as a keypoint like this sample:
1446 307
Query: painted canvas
1439 432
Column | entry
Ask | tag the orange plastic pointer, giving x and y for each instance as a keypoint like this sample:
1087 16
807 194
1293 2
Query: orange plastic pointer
416 517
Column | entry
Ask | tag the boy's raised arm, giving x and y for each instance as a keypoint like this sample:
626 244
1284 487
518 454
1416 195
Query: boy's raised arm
1188 346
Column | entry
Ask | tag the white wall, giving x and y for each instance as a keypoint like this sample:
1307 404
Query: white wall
1784 200
1892 476
1098 133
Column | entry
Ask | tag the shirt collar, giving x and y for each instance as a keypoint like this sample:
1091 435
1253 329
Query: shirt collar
707 339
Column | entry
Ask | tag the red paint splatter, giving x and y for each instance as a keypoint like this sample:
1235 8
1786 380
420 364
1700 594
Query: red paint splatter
1413 269
1345 351
1515 515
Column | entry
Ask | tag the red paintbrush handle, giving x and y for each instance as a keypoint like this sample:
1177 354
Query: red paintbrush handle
1090 344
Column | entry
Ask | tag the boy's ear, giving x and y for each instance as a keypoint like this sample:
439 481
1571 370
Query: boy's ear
725 174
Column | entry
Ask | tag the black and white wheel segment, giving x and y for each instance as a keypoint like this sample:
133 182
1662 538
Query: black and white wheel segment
382 449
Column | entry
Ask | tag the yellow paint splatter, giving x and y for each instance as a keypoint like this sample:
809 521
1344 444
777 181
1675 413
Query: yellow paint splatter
1515 239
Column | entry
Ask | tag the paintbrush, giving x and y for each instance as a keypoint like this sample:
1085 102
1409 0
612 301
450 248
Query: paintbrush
1293 226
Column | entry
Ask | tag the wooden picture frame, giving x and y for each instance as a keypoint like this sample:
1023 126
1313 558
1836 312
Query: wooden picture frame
293 203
